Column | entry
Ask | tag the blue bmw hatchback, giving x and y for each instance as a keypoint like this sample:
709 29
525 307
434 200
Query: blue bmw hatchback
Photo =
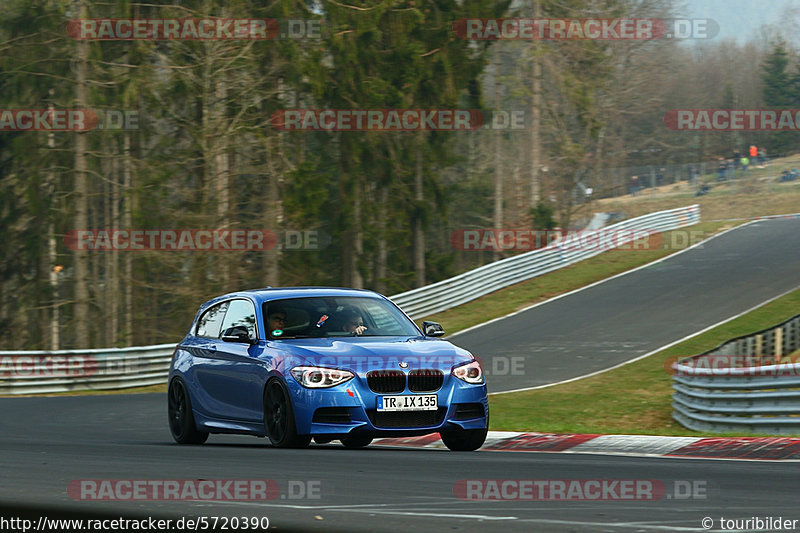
294 364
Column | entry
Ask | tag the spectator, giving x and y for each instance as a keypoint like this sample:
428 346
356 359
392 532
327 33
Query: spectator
722 168
634 185
753 152
745 163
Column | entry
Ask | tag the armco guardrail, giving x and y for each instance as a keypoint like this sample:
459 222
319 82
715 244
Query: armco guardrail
36 372
29 372
470 285
748 384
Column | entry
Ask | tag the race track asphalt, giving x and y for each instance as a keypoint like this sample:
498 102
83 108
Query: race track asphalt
47 443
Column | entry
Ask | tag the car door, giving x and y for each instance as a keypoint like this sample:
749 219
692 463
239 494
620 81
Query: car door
203 347
239 377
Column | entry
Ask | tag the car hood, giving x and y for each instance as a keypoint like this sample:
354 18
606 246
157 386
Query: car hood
363 354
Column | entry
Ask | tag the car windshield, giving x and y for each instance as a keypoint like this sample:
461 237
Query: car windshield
335 316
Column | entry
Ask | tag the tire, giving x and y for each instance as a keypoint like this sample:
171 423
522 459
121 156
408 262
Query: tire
181 420
356 441
279 418
465 440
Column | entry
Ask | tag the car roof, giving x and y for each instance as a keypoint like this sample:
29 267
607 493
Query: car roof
274 293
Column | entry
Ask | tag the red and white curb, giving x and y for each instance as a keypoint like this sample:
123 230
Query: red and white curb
753 448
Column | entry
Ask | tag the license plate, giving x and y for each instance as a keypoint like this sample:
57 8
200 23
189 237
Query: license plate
419 402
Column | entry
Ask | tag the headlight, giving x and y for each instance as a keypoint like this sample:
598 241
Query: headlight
470 372
317 377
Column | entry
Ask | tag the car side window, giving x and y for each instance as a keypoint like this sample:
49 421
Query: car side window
209 324
241 314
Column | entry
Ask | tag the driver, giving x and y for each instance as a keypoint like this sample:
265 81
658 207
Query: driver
353 323
277 318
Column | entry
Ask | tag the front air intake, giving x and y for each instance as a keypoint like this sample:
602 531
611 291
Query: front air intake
386 381
425 380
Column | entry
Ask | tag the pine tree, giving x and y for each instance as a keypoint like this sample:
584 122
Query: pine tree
779 92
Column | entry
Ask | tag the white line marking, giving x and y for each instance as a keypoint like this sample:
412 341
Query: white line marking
360 509
632 525
318 507
433 515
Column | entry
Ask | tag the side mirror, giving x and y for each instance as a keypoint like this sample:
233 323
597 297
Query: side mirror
237 334
432 329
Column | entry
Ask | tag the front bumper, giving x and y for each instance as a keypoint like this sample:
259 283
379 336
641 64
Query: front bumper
352 407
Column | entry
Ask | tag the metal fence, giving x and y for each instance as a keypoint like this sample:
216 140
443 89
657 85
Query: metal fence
747 384
506 272
35 372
